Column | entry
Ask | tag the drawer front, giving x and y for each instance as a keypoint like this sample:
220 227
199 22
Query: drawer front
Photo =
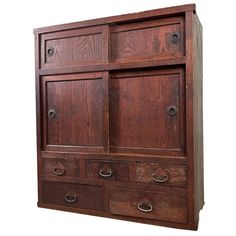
157 38
158 206
155 173
73 195
107 170
60 167
72 47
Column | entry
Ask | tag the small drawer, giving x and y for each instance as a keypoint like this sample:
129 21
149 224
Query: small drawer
157 38
107 170
60 167
73 195
172 175
158 206
72 47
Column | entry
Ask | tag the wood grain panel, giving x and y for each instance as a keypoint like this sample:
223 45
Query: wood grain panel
79 49
164 207
78 107
55 193
147 39
138 111
119 170
175 175
61 167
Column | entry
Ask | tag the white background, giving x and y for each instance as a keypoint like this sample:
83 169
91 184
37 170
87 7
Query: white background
18 186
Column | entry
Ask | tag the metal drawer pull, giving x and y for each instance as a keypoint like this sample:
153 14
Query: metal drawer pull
159 178
172 110
58 171
145 207
105 174
71 198
52 114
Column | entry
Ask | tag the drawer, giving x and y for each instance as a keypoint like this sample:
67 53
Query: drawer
72 47
60 167
150 205
73 195
158 38
172 175
108 170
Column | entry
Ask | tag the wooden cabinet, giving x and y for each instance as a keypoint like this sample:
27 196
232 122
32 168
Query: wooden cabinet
119 117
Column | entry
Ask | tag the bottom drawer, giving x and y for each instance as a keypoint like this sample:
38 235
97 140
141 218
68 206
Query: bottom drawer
158 206
73 195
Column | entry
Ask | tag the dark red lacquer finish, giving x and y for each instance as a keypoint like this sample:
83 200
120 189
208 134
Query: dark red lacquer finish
119 117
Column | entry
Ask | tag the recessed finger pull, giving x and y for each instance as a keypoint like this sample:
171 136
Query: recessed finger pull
172 110
52 114
50 51
174 37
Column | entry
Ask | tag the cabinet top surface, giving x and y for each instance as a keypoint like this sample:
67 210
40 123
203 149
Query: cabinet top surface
118 19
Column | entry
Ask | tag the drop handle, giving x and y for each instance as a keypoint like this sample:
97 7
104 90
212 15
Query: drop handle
160 178
58 171
145 206
71 197
105 174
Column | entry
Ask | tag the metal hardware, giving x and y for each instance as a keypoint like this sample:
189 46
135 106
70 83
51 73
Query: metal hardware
71 197
172 110
145 207
105 174
58 171
159 178
174 37
50 51
52 114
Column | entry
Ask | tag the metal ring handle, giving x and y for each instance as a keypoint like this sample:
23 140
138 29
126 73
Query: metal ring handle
50 51
106 175
58 171
160 178
71 198
52 114
172 110
145 207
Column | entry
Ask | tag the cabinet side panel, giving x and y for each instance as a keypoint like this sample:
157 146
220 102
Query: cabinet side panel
198 116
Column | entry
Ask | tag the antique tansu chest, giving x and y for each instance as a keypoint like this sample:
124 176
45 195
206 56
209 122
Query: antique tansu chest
119 117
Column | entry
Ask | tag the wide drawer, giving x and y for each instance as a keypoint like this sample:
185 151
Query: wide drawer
72 47
107 170
73 195
150 39
60 167
162 174
151 205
